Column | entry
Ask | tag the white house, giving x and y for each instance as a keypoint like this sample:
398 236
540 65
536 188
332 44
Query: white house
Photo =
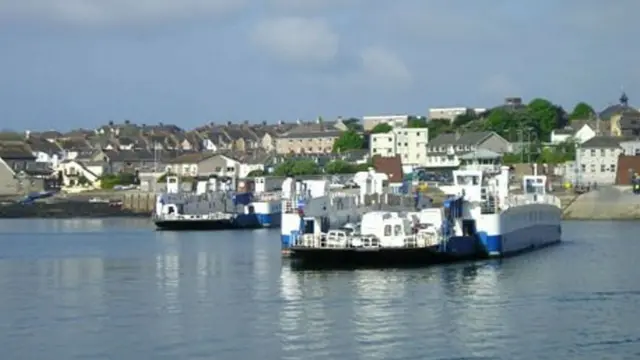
448 150
81 175
409 143
209 145
578 131
45 151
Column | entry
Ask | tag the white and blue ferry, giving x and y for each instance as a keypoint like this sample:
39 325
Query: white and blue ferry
481 219
215 207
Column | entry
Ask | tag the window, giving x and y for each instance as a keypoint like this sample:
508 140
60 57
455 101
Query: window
583 168
603 152
603 168
418 134
592 168
612 168
593 152
637 151
387 230
397 230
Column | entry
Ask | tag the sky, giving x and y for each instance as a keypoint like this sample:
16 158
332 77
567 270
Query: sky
81 63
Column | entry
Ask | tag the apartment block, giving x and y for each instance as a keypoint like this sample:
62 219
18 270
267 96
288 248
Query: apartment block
408 143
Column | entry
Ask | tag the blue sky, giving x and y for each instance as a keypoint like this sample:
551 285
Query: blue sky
71 63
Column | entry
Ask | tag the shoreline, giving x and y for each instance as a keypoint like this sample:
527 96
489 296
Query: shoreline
67 210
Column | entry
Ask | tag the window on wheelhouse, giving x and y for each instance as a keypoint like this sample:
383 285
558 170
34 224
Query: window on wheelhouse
387 230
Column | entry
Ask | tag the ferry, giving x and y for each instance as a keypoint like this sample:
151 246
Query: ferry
214 206
310 206
480 220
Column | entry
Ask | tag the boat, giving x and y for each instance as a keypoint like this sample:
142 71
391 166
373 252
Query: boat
313 201
214 206
481 219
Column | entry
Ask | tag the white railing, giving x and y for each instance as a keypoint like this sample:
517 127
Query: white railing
268 196
322 241
210 216
526 199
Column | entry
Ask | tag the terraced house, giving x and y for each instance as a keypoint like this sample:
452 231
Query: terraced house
313 138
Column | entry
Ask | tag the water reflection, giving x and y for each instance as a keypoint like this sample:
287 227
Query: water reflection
134 293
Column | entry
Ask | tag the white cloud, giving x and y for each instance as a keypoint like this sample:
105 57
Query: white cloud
120 12
305 41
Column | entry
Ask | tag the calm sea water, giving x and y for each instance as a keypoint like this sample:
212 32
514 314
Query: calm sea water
116 289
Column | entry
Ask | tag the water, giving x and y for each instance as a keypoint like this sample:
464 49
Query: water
115 289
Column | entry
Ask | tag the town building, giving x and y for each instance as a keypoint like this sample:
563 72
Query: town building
370 122
408 143
447 151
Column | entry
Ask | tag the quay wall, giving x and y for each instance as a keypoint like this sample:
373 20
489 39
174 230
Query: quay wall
605 203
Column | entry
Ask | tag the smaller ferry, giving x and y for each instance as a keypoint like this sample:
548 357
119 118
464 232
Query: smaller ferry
479 220
215 206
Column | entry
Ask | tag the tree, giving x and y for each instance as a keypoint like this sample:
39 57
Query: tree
417 122
437 127
353 124
464 119
582 110
501 121
297 167
340 167
256 173
381 128
82 180
545 115
348 140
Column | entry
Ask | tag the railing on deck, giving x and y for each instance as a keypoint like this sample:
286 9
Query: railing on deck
525 199
183 217
290 206
327 241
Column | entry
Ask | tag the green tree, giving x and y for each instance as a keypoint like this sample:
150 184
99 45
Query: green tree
501 120
464 119
256 173
582 110
82 180
297 167
353 124
340 167
109 181
549 155
509 159
417 122
348 140
381 128
438 126
545 117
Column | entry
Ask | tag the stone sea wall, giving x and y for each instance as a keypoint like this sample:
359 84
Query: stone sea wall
606 203
67 209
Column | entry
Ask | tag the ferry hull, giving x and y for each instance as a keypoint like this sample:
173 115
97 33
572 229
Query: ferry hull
366 258
241 222
520 229
459 248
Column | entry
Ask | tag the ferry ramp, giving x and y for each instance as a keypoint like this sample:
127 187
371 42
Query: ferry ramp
610 202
